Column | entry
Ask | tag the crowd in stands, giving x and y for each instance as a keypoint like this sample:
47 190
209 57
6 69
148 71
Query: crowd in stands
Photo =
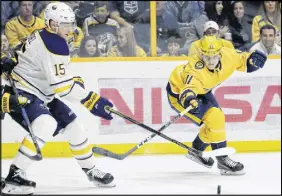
122 28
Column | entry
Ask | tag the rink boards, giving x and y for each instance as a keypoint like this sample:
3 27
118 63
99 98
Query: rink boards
251 103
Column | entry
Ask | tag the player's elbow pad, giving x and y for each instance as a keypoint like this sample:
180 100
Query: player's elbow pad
96 105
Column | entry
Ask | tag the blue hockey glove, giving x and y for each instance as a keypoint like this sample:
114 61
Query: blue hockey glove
256 61
96 105
13 103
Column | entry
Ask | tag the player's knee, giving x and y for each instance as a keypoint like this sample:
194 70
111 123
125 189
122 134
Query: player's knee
214 119
75 133
44 126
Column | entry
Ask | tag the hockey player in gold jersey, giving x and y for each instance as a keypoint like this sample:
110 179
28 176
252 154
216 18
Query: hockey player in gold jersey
192 84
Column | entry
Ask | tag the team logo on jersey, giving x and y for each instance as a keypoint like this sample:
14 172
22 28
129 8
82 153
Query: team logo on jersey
199 65
131 6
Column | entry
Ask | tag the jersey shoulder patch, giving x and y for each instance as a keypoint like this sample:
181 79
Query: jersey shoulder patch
199 65
54 43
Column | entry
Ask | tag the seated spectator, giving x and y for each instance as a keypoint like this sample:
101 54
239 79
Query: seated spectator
267 43
127 13
5 46
173 47
240 29
136 15
215 11
126 45
88 48
184 11
10 9
269 13
210 28
83 10
167 26
74 40
18 28
100 26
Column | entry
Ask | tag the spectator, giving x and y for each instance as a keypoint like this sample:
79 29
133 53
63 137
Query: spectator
88 47
269 13
240 29
82 11
18 28
127 13
184 11
167 26
267 43
173 47
136 15
210 28
74 40
11 9
100 26
214 11
126 45
5 46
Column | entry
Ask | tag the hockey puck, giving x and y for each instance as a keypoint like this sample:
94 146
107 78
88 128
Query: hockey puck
218 189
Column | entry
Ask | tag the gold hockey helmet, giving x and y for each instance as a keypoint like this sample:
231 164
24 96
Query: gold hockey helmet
210 45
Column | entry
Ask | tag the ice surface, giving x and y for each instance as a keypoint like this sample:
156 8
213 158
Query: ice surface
160 174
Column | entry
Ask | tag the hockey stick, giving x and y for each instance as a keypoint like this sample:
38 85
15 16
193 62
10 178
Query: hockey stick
38 155
104 152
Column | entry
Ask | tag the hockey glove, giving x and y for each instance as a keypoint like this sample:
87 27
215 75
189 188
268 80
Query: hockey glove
96 105
188 98
13 103
256 61
7 64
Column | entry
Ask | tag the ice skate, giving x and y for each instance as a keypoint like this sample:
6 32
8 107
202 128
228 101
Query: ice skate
205 161
99 178
229 167
16 183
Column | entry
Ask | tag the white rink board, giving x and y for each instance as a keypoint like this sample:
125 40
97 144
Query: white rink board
144 82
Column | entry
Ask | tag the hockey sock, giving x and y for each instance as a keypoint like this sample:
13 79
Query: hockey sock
218 145
199 144
83 154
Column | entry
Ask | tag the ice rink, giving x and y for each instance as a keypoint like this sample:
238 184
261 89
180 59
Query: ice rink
161 174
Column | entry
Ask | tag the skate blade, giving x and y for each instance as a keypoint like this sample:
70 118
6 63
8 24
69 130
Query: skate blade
197 161
231 173
100 185
11 189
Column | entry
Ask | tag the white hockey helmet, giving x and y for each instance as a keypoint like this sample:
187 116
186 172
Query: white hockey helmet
59 12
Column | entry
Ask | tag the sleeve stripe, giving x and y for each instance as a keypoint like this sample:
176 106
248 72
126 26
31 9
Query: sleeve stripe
61 82
63 89
188 79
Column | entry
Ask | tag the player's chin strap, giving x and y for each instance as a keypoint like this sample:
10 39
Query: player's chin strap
104 152
38 155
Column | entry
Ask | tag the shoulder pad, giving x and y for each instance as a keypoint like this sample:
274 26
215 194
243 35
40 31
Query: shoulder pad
54 43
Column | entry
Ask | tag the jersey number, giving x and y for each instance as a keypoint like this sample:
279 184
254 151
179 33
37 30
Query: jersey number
60 69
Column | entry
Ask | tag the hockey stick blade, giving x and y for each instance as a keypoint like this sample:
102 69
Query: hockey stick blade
107 153
219 152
